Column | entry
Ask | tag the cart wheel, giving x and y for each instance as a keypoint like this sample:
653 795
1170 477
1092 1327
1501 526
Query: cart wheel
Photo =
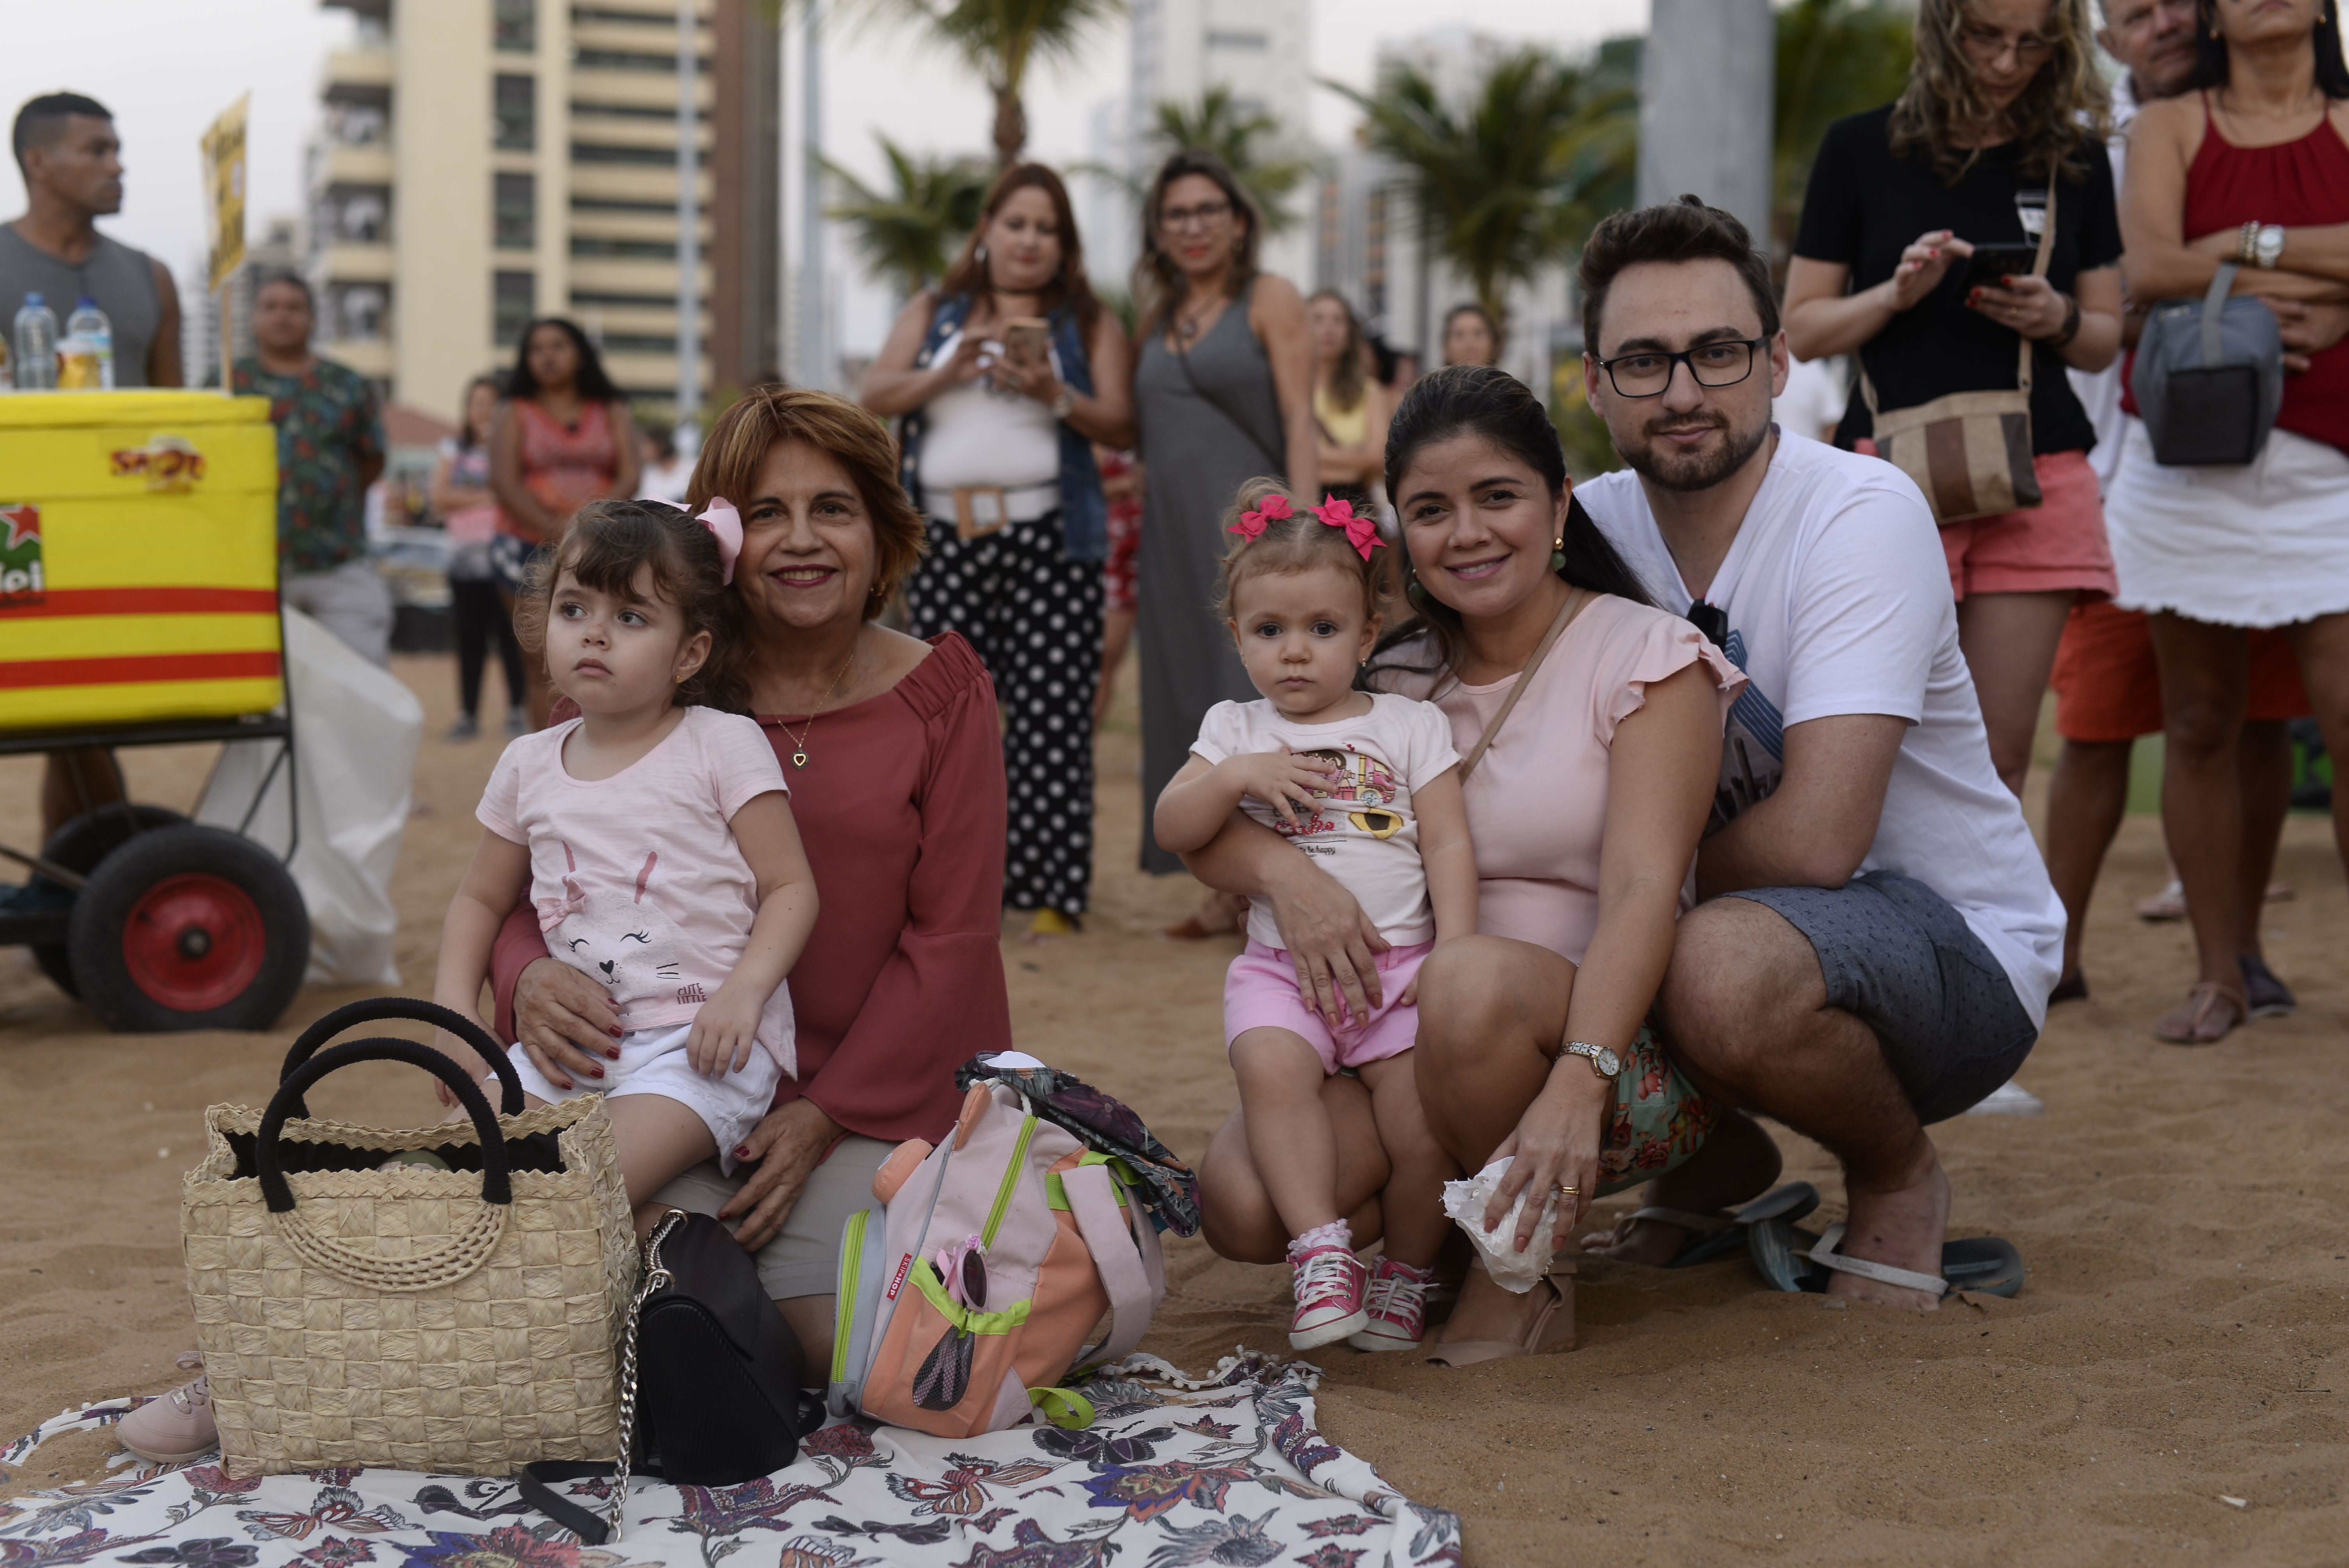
78 846
189 928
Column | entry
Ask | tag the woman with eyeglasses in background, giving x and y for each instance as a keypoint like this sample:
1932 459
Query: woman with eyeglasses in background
1222 392
2004 116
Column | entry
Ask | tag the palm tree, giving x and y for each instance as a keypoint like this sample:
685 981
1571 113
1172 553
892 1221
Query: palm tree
1216 124
1001 39
909 233
1516 177
1836 57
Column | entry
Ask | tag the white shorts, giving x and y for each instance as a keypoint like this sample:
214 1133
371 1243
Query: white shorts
653 1061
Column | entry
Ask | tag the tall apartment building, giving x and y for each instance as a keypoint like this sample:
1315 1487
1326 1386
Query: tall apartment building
486 162
1262 50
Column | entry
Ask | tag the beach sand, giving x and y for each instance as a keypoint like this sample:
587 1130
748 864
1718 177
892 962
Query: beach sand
2183 1337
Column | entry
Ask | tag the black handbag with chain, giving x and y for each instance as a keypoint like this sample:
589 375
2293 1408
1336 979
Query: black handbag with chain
709 1379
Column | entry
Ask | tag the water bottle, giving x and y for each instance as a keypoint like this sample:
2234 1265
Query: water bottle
36 346
86 358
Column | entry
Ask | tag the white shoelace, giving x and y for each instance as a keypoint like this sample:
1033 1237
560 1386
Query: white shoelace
188 1396
1324 1275
1398 1299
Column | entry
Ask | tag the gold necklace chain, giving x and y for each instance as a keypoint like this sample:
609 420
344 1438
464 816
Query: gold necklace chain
798 741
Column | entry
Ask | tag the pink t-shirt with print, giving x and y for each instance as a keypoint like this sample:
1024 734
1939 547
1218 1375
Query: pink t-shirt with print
638 881
1537 802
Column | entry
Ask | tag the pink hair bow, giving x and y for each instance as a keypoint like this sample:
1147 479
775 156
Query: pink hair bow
1362 533
1272 509
725 525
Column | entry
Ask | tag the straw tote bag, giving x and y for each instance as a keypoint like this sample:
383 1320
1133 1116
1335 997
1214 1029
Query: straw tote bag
462 1321
1970 452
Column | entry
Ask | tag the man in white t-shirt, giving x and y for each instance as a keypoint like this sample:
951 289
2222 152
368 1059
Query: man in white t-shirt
1879 936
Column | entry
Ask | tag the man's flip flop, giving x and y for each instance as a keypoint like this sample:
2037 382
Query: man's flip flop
1717 1234
1793 1260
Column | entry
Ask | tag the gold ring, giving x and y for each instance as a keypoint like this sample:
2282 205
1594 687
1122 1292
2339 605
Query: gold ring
1568 1191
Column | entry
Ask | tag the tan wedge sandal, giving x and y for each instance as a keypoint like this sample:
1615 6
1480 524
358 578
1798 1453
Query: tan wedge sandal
1551 1328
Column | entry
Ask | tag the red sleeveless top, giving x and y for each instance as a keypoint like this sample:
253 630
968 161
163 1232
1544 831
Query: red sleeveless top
2298 184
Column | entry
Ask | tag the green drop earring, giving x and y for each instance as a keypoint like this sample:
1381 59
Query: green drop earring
1557 553
1412 591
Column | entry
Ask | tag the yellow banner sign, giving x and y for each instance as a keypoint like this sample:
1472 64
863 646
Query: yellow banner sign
224 178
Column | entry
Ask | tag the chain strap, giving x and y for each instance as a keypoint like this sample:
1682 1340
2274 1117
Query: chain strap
655 1278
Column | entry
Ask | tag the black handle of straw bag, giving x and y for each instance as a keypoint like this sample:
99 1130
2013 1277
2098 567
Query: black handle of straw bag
497 1184
375 1010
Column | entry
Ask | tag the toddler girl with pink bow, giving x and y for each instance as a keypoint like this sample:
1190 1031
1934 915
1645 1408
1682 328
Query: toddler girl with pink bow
1368 784
654 835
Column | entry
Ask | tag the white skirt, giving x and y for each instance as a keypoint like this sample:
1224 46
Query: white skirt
2264 544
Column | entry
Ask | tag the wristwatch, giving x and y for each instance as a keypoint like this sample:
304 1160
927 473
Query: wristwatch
1603 1060
2269 246
1068 400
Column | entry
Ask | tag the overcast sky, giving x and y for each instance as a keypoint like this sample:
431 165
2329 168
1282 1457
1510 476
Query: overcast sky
167 68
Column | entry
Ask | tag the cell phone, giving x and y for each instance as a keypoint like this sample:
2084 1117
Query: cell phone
1991 265
1025 336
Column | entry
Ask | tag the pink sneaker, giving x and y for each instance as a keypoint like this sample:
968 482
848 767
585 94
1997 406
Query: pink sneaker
1330 1283
1397 1307
173 1429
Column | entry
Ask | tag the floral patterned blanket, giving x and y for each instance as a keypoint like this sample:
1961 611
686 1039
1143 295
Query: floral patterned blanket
1225 1470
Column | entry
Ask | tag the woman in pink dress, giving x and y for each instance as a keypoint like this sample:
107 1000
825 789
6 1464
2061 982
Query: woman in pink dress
1584 811
562 439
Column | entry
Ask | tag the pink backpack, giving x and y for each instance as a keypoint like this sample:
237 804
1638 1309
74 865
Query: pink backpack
969 1293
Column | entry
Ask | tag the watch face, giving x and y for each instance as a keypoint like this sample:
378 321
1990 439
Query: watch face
1608 1062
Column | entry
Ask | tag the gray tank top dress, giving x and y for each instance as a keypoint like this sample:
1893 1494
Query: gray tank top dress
121 280
1196 457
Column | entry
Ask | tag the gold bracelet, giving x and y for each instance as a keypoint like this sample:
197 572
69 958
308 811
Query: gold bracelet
2247 243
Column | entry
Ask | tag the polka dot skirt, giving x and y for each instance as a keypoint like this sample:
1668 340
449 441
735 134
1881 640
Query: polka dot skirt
1035 618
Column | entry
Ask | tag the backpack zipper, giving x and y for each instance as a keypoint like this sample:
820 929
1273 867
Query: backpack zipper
1011 1176
852 1269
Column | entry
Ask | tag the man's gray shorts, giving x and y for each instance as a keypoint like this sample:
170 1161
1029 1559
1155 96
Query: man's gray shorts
1901 958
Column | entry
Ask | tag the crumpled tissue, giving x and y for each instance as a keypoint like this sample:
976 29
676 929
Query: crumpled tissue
1511 1270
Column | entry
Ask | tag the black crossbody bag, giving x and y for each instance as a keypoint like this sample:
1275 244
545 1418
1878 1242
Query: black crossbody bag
710 1379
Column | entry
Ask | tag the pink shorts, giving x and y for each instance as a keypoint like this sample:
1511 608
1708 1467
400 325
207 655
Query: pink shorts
1260 993
2057 544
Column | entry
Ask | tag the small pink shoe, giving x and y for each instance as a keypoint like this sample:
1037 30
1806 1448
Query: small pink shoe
1397 1307
172 1429
1330 1286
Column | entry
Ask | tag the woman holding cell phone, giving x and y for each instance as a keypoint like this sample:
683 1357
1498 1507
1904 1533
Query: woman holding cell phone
1917 251
1002 378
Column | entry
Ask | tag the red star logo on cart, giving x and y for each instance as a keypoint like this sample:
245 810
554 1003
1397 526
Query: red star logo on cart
24 524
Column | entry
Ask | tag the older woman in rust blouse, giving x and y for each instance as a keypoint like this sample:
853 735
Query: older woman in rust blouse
896 765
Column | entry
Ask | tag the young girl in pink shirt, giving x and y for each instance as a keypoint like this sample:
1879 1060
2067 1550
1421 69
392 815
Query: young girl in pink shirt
1368 785
654 833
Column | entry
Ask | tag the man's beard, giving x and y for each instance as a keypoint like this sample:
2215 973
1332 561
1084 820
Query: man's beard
1697 470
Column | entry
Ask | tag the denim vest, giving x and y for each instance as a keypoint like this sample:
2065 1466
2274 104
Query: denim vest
1084 513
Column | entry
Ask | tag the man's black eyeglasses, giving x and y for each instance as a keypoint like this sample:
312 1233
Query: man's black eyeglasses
1649 373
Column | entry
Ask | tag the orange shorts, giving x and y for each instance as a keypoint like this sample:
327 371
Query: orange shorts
2108 687
2057 544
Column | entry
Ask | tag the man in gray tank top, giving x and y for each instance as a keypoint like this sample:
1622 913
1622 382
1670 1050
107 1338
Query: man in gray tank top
72 162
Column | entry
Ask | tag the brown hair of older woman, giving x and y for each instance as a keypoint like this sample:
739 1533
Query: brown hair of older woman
2064 104
735 452
1069 285
1158 280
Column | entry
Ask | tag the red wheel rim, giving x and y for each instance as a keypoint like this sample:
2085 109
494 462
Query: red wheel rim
194 942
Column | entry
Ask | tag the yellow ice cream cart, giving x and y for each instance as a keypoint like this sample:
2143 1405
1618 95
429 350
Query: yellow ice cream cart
138 607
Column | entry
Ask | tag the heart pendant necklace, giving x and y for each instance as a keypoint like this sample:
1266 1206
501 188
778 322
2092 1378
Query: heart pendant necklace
798 741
